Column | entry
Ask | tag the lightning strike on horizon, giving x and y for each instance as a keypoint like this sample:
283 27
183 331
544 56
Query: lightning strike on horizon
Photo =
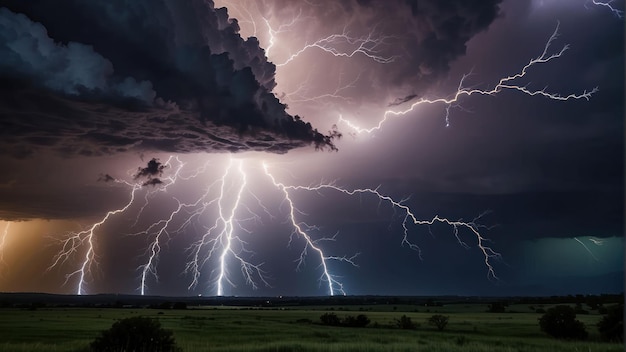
85 238
159 228
222 243
503 83
488 253
76 240
3 239
608 4
300 229
225 240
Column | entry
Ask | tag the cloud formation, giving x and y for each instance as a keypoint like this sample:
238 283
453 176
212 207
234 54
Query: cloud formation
420 38
93 78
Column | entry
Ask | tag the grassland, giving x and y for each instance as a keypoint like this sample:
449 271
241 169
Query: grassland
470 328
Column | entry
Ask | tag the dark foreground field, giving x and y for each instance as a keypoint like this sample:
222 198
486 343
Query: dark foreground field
42 327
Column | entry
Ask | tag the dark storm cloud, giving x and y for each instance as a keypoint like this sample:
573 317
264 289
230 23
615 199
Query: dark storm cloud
154 168
424 37
151 173
106 178
101 77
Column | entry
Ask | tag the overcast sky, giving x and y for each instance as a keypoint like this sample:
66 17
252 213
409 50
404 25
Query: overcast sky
163 106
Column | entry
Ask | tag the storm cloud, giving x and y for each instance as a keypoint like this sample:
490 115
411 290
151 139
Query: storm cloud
418 39
94 78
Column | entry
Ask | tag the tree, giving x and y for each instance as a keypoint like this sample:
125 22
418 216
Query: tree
405 323
330 319
439 321
136 334
360 321
611 327
560 322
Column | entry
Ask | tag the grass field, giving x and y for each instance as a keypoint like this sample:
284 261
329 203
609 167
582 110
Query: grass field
470 328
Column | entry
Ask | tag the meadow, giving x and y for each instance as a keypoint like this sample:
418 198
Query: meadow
221 329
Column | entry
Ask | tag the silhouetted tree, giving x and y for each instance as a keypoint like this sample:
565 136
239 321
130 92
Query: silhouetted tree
611 326
439 321
330 319
135 334
405 323
560 322
360 321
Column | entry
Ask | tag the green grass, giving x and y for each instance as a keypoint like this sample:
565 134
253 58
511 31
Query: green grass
224 329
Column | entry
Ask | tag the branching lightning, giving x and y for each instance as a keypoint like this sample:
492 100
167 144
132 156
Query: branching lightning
301 229
609 5
409 217
85 238
222 242
227 243
301 93
346 45
505 83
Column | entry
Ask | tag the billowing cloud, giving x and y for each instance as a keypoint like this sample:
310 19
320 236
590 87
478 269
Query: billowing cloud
416 40
102 77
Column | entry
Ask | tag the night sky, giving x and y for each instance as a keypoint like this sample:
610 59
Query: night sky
169 147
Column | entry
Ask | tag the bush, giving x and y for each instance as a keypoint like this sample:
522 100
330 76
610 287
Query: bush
560 322
439 321
405 323
137 334
330 319
611 326
360 321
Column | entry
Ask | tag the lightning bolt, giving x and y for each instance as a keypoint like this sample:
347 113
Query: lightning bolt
409 217
223 244
273 33
3 239
226 242
159 229
85 238
369 45
300 229
301 93
596 241
587 249
505 83
609 5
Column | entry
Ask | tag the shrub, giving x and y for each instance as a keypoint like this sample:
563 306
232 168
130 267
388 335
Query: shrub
330 319
611 326
360 321
439 321
405 323
560 322
137 334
